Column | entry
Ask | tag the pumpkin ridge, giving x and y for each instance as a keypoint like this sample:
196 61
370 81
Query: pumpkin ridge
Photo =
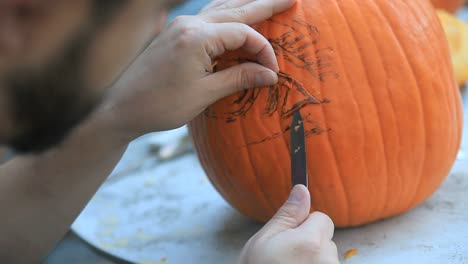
385 205
443 95
375 210
453 94
227 195
354 96
211 146
451 100
333 151
309 172
270 207
411 66
448 95
405 56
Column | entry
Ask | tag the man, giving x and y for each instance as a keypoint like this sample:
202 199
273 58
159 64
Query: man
81 79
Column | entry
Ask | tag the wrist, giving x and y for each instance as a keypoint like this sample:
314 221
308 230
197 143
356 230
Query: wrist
107 121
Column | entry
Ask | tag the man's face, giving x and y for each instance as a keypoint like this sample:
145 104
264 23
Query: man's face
58 56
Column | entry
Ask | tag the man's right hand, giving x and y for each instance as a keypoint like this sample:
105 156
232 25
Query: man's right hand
293 236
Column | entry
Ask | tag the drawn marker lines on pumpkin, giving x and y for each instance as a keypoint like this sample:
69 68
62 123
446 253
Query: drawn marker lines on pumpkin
316 131
298 45
294 45
246 100
274 136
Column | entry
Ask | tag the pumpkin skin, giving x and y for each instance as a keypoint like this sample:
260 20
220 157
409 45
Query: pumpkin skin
448 5
374 83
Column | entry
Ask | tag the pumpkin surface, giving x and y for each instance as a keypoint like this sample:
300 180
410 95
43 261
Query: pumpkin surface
448 5
382 112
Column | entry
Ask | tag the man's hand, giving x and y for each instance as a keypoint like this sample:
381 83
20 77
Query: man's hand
293 236
172 81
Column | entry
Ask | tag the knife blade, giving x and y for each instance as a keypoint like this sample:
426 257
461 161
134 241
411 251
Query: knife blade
298 151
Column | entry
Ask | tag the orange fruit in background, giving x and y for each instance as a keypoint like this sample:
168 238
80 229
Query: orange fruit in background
457 35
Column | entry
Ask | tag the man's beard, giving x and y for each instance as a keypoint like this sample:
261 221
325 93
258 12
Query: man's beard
47 103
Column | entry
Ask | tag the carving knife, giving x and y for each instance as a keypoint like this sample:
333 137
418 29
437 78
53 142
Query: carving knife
298 151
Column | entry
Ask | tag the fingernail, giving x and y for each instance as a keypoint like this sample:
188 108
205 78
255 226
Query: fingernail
296 195
266 78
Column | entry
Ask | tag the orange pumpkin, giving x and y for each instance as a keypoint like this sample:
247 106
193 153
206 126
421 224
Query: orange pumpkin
448 5
374 83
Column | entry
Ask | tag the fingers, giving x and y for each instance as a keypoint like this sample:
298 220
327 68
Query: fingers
295 246
291 214
251 12
232 36
318 223
236 78
224 4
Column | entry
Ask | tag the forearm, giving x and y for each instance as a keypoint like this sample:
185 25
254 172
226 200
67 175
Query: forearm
40 196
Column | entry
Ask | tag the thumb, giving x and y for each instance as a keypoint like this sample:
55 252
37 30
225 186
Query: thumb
237 78
292 214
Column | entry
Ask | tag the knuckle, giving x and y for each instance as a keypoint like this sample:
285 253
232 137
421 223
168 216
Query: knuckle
180 20
244 79
313 244
325 218
308 247
287 220
188 34
239 12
